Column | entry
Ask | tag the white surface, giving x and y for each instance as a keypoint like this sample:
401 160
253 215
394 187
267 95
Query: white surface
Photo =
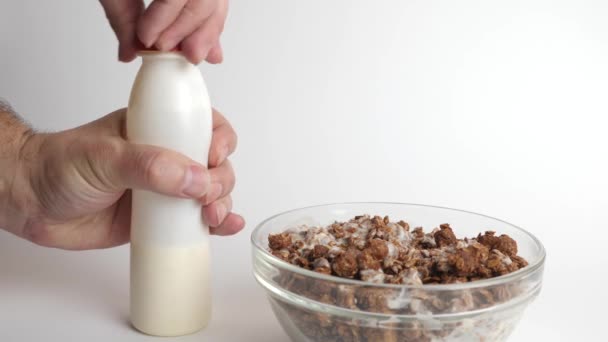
498 108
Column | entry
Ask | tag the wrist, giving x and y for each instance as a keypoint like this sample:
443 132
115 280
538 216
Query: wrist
15 187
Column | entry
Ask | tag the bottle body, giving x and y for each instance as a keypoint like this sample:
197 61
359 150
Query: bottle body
170 286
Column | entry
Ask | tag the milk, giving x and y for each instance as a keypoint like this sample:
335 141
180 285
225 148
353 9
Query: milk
174 284
169 107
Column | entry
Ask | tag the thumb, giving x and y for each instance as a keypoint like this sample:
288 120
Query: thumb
123 16
144 167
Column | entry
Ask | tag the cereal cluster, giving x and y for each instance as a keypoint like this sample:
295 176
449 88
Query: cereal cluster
376 250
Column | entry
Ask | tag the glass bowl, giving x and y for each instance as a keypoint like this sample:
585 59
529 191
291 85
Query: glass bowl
311 306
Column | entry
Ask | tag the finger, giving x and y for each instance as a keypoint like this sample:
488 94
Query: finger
196 46
123 16
232 224
224 140
215 55
127 43
191 17
215 213
156 18
126 50
222 182
114 165
119 232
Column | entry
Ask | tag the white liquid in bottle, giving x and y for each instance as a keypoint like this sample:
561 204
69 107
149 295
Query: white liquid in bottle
169 107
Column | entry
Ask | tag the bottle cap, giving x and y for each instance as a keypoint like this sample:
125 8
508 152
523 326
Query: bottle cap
143 51
153 49
142 48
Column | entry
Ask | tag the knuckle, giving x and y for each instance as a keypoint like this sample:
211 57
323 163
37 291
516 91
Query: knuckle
219 27
108 148
171 5
231 176
160 171
208 36
101 156
228 205
105 151
233 138
226 144
191 12
153 166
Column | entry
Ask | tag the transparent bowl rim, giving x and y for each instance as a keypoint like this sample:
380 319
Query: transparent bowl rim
500 280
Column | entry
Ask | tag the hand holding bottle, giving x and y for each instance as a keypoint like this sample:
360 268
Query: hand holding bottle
72 185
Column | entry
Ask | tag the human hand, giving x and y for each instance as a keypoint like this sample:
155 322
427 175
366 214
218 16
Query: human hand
193 25
78 182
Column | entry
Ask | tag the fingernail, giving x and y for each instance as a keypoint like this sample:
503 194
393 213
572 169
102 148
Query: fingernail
215 190
146 43
165 45
220 212
196 182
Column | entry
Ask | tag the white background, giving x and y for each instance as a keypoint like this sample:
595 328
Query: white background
494 107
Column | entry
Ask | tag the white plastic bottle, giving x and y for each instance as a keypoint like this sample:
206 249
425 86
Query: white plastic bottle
169 107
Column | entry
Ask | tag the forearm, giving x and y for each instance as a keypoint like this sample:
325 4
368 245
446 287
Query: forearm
13 136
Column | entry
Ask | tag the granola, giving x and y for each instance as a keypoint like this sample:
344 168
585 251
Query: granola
378 251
